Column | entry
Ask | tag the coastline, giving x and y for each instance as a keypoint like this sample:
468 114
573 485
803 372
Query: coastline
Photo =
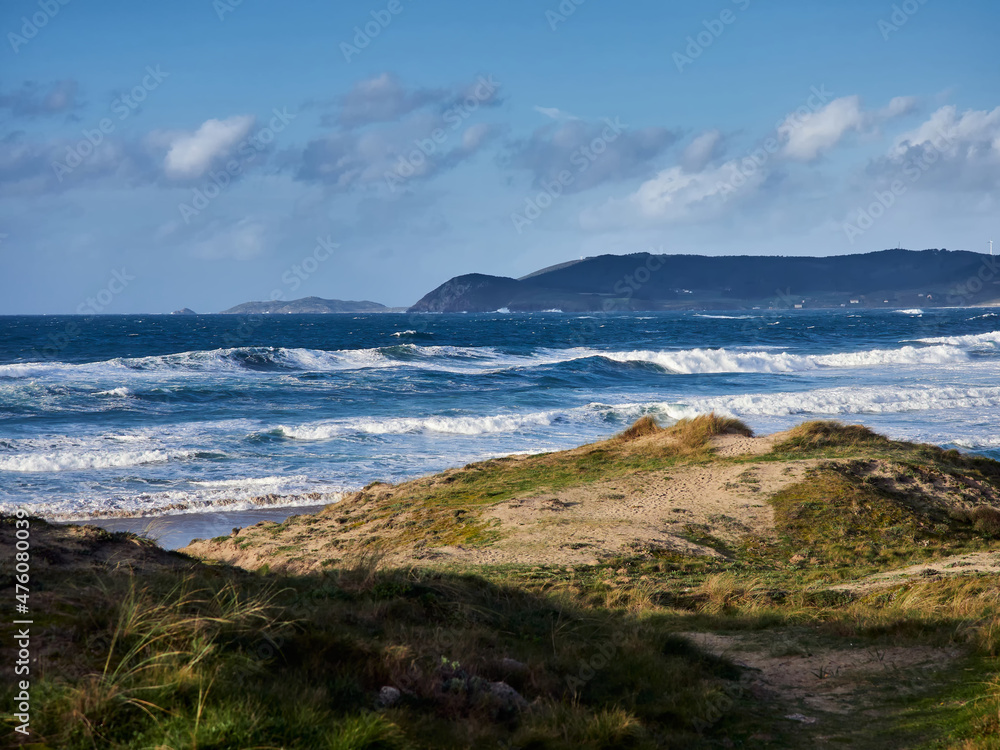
705 487
177 530
691 586
180 530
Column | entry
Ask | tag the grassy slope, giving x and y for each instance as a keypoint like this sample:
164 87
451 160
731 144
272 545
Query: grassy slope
166 651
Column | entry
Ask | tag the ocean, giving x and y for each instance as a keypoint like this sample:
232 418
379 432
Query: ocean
218 417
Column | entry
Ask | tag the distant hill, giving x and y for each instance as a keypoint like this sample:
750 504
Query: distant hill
642 281
306 305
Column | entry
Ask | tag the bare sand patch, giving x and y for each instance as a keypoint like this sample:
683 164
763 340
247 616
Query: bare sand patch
823 684
973 563
731 446
583 524
656 510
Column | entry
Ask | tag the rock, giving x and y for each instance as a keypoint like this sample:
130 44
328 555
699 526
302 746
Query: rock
800 717
184 311
513 665
389 696
507 697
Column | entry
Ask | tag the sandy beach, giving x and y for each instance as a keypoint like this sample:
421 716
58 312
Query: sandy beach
177 530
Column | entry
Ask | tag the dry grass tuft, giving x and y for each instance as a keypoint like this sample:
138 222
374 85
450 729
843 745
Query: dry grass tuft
694 434
688 439
644 427
821 434
986 520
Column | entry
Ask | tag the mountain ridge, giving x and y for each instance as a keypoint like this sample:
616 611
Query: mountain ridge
644 281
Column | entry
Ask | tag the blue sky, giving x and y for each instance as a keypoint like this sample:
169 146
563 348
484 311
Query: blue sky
202 154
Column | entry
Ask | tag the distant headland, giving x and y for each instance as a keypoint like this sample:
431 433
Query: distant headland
644 281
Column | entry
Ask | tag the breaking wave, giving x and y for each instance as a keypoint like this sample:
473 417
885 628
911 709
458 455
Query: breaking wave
248 361
972 341
77 461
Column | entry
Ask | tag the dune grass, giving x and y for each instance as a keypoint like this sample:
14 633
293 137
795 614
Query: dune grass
219 658
831 439
836 519
224 659
210 657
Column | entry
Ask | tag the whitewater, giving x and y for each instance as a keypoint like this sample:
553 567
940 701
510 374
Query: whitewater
136 416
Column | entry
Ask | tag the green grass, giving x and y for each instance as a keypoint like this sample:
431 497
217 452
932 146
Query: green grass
222 659
833 518
827 439
213 657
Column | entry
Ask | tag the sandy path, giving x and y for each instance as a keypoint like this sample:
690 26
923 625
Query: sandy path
655 510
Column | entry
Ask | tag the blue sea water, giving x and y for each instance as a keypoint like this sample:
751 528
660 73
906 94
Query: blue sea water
144 415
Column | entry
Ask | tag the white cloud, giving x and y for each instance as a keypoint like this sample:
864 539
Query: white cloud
808 136
191 154
701 150
948 150
974 133
676 195
700 189
897 107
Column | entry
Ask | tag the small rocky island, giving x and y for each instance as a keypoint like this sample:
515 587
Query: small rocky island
306 306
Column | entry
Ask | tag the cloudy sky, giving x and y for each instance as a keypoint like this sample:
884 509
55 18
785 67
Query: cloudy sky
201 154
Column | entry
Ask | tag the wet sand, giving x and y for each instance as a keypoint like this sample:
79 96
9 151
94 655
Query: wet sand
176 531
